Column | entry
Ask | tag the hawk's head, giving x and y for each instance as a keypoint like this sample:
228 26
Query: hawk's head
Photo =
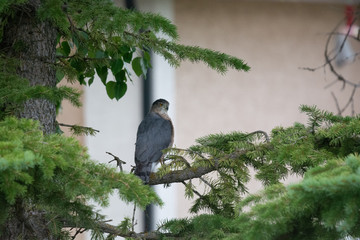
160 106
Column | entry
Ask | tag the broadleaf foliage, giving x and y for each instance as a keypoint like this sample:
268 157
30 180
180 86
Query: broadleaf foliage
89 45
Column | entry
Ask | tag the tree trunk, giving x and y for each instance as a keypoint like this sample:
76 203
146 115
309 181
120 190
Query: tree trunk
33 43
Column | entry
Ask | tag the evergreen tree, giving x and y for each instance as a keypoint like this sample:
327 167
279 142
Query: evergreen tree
324 205
46 179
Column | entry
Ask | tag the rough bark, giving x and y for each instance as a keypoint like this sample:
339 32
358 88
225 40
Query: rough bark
33 43
25 223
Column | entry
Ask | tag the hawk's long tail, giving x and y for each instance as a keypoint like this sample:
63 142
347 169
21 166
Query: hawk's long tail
143 172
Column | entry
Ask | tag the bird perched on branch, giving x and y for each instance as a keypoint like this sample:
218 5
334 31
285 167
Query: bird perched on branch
155 133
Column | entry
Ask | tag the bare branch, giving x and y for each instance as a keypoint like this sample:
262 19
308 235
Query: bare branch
336 103
330 56
330 84
133 218
119 162
351 99
78 231
113 230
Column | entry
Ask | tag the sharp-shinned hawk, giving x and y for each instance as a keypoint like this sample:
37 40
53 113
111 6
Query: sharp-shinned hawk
155 133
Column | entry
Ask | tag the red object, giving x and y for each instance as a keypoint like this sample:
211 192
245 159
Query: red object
349 14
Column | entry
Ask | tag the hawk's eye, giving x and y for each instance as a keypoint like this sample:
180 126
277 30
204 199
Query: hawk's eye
161 104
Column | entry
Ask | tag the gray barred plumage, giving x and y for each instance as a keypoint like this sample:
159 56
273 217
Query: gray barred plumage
155 133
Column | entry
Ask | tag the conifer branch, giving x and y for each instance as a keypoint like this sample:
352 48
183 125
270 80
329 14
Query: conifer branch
180 175
190 172
113 230
197 171
174 53
79 130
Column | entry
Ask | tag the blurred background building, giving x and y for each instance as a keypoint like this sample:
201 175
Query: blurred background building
276 38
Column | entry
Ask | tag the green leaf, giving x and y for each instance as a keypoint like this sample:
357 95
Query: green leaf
59 75
91 80
124 49
102 72
139 66
147 59
83 35
100 54
81 79
116 65
116 89
120 76
59 52
58 37
66 48
82 50
127 57
89 72
78 64
91 53
110 89
75 41
120 90
127 53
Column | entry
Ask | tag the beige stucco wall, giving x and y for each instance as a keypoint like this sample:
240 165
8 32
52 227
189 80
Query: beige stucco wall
71 115
275 39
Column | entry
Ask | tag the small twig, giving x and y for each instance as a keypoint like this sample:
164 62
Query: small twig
328 60
336 103
330 56
78 231
205 181
106 221
351 99
193 190
189 166
330 84
201 178
133 219
119 162
132 169
326 51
